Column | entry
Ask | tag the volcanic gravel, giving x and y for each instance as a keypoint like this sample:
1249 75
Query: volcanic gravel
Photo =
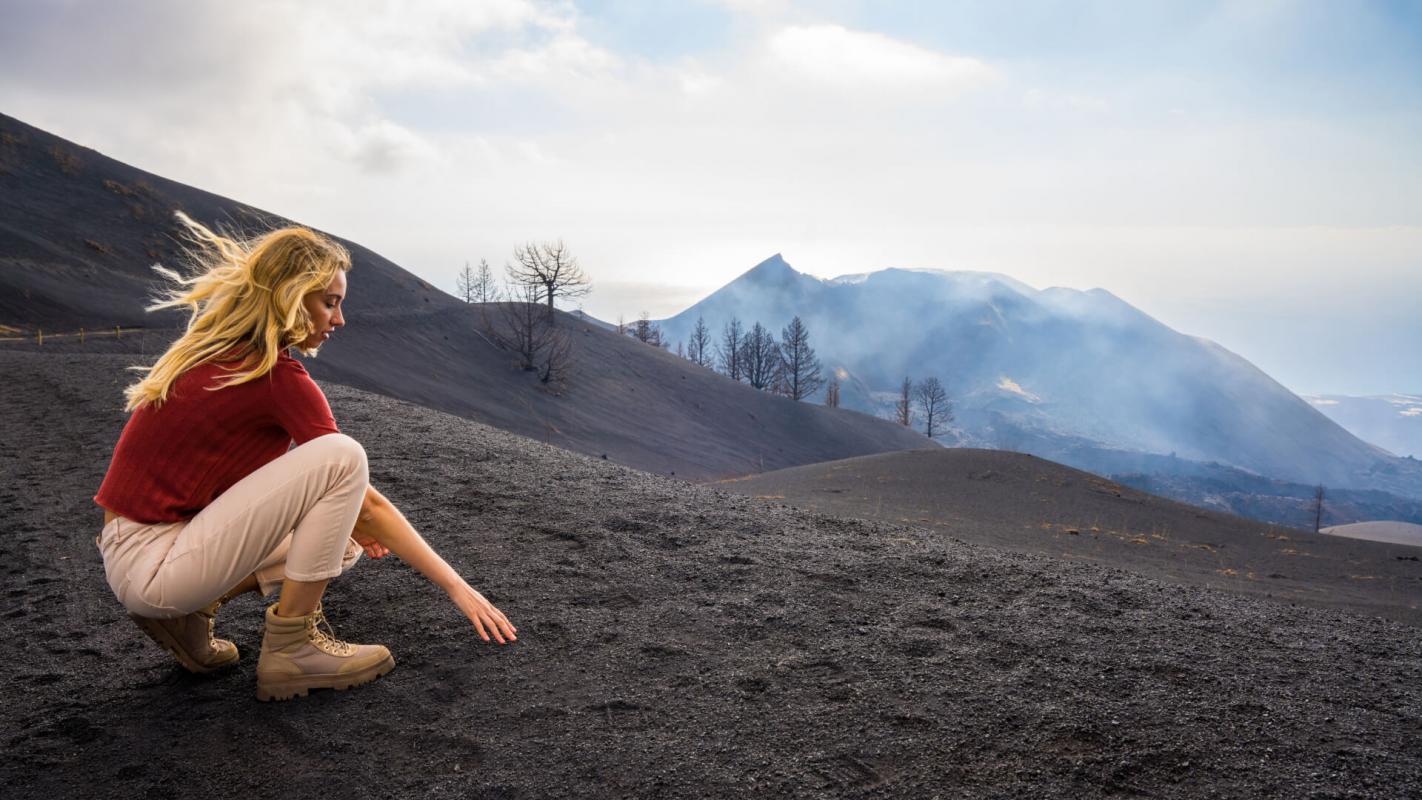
674 641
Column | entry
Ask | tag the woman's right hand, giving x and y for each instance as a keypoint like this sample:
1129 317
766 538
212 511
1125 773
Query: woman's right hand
486 618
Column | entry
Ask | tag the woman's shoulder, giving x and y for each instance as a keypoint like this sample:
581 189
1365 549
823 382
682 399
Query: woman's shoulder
242 360
289 364
289 376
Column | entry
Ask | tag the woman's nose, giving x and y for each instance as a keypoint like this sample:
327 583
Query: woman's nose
339 320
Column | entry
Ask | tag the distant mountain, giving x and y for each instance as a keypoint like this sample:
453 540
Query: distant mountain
1079 368
1392 421
79 231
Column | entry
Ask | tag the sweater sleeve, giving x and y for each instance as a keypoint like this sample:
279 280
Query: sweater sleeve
298 404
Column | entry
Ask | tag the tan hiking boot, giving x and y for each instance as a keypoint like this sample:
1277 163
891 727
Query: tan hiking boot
189 638
297 656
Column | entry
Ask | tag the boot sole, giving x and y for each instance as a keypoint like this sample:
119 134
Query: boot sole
300 687
163 640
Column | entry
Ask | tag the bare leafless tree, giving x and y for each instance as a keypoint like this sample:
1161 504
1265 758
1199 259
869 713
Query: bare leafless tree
729 349
557 361
903 408
760 357
551 268
464 284
698 347
832 391
801 369
646 331
523 327
485 288
933 404
476 285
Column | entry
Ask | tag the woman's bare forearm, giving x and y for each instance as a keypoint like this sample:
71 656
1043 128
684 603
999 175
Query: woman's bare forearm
380 520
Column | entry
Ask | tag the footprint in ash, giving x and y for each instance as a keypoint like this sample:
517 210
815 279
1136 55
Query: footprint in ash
844 771
618 713
810 672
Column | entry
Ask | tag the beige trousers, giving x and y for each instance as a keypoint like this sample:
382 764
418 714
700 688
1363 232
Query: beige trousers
292 518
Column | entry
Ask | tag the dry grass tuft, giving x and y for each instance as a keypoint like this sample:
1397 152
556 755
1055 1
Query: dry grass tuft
68 162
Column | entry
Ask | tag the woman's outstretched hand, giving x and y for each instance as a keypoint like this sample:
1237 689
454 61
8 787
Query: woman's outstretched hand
486 618
381 529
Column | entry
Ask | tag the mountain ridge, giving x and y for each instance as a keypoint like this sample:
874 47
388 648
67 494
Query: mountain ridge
1084 363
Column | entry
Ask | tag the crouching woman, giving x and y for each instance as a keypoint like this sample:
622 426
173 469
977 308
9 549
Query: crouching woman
205 497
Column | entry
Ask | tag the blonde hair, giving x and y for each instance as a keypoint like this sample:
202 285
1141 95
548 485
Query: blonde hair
245 294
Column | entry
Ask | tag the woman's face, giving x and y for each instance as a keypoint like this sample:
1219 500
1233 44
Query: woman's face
324 306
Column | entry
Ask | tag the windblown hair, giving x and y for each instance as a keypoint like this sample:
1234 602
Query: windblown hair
245 296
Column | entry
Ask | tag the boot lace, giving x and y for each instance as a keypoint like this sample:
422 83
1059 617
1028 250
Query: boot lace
326 639
210 614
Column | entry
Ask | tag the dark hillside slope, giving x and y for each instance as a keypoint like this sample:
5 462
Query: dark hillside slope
78 232
675 642
1027 504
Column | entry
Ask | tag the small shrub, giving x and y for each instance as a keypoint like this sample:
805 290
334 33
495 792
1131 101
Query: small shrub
118 188
68 162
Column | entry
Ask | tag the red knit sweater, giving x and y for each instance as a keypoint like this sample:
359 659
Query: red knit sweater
170 462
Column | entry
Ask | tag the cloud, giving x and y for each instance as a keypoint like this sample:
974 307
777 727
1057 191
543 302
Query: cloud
1039 99
447 130
840 58
565 56
383 146
293 82
756 7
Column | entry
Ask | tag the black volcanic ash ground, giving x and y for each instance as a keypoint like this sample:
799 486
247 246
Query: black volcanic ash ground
675 641
1027 504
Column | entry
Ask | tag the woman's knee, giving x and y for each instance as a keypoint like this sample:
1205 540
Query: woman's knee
345 450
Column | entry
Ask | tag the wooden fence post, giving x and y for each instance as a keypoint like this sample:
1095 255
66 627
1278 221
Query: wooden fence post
39 335
81 336
116 332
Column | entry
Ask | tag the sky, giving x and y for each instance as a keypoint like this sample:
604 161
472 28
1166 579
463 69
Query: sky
1248 172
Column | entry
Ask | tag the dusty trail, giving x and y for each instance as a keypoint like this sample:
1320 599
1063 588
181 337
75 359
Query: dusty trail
675 641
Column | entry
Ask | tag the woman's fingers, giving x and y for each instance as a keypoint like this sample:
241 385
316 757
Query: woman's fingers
494 629
372 547
502 629
505 620
480 625
497 628
487 619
